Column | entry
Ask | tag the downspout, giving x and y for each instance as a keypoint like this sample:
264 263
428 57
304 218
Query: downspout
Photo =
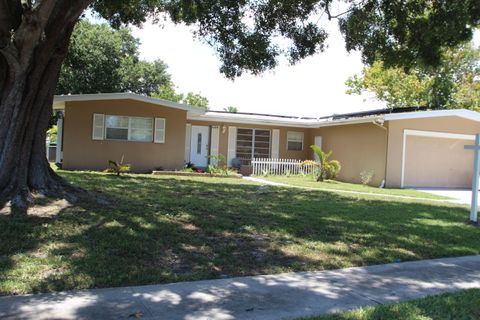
379 122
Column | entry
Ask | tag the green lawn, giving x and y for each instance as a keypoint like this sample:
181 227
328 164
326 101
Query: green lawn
159 229
462 305
310 182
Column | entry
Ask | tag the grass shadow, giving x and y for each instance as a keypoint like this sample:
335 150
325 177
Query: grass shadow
169 229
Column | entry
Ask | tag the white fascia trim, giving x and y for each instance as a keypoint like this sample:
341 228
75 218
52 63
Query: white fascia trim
256 120
348 121
429 134
438 134
127 96
262 120
463 113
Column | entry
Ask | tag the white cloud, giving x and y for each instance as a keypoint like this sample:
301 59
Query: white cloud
314 87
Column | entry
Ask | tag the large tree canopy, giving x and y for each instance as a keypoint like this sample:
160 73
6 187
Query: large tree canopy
35 34
193 99
244 33
102 60
454 83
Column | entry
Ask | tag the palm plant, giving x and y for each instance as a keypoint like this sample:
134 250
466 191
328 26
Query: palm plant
329 169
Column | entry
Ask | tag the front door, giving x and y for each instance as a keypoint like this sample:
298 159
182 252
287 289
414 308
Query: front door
199 146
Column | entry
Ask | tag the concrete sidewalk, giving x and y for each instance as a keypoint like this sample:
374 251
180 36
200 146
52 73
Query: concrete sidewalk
282 296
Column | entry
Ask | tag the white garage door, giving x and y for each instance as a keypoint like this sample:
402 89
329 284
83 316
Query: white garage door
437 160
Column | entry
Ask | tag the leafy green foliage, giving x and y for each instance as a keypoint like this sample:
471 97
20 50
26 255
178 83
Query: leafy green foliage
408 33
452 84
230 109
52 134
168 93
391 85
218 165
118 167
329 169
102 59
366 176
245 34
193 99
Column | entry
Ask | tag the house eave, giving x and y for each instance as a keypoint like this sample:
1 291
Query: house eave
58 99
255 120
462 113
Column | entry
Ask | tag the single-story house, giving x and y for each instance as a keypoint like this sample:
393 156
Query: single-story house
402 149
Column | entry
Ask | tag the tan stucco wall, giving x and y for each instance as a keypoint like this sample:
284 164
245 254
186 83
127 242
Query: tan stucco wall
358 147
81 152
283 152
395 139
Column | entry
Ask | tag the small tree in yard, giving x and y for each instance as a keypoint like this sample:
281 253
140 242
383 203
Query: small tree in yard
35 36
328 169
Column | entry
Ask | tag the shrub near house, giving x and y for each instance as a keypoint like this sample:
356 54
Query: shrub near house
329 169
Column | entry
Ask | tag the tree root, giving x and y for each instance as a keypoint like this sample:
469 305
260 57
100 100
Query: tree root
57 189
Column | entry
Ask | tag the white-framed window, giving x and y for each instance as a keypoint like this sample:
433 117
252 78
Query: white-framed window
116 128
294 141
128 128
141 129
252 143
159 130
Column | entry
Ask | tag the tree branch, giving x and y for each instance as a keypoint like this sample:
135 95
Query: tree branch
338 15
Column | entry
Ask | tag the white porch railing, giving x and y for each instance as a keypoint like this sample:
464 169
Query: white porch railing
263 166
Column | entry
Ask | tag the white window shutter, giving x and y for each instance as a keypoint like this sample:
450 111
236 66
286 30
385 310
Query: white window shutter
188 141
318 143
214 144
275 144
98 130
159 136
232 144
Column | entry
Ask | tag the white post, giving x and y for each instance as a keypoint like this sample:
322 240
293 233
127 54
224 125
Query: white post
475 178
59 153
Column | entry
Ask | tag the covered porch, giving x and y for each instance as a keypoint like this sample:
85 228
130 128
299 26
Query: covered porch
242 146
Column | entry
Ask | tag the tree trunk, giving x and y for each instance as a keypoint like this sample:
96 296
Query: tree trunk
29 69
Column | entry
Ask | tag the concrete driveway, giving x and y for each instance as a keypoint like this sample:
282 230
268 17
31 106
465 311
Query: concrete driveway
462 196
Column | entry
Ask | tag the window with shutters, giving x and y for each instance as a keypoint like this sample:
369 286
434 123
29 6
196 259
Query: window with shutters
128 128
141 129
117 127
294 141
252 143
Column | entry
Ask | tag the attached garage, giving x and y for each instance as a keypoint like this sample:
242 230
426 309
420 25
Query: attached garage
426 149
436 160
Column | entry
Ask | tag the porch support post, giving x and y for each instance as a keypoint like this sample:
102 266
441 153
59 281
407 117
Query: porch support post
475 178
59 148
